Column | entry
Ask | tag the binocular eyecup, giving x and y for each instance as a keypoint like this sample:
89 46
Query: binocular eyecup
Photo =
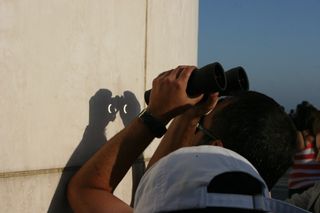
212 78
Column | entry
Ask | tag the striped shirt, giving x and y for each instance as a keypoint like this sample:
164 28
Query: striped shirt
305 170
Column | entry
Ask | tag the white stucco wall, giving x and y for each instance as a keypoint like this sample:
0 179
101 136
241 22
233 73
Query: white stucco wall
54 57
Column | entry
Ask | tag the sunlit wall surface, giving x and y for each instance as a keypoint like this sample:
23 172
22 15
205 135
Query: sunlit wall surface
69 68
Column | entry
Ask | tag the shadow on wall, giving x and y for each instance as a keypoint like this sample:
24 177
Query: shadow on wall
103 109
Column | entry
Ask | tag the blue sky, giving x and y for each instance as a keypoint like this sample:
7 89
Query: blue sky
276 41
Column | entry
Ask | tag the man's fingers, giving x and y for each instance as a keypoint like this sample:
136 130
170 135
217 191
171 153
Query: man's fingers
163 74
205 107
211 102
185 72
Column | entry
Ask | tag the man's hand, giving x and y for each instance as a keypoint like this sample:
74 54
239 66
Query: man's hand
92 187
204 107
168 96
182 130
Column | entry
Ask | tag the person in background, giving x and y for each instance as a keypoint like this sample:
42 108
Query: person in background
305 171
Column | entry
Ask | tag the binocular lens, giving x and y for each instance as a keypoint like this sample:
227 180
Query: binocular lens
220 78
243 80
237 81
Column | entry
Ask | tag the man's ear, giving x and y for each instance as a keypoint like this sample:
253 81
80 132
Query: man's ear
217 143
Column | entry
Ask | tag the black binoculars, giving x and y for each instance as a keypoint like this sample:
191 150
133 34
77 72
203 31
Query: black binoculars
212 78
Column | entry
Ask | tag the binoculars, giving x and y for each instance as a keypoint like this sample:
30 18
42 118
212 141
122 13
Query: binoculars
212 78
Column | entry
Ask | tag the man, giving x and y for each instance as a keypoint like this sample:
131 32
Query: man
250 123
90 190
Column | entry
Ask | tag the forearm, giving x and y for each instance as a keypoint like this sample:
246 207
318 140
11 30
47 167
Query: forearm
180 134
300 141
317 146
103 172
182 130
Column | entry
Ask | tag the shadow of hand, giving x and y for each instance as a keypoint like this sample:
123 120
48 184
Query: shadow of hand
128 107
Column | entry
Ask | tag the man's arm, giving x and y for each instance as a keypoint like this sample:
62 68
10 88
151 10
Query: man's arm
90 190
97 179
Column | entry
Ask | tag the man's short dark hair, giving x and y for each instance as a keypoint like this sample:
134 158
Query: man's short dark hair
257 127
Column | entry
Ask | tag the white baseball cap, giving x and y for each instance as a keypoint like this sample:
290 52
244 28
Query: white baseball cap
179 181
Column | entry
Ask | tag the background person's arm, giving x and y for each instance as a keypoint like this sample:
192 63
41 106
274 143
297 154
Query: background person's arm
301 144
317 139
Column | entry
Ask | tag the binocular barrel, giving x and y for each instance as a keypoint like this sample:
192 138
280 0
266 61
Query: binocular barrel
208 79
212 78
237 81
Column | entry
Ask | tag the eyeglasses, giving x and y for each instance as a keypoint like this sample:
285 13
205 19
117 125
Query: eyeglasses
205 131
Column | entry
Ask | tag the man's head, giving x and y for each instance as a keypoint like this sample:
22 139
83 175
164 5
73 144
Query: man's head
205 179
258 128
